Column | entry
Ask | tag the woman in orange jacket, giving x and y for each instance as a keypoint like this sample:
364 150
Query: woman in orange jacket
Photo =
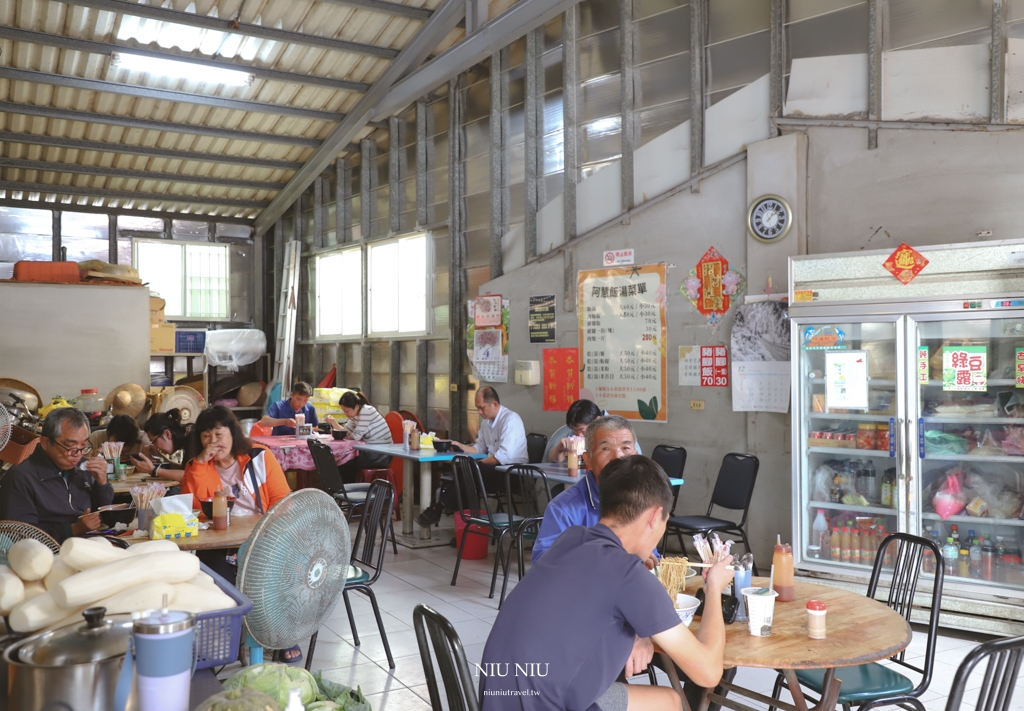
227 460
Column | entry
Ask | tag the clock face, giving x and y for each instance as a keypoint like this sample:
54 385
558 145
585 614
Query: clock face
769 218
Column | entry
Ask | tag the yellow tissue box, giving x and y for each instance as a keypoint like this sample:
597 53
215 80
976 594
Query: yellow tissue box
174 525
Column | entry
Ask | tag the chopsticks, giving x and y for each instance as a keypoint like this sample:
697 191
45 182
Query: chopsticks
143 496
711 550
111 450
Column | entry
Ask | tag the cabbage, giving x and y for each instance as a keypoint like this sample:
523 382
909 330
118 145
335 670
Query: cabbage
345 698
323 706
276 680
240 700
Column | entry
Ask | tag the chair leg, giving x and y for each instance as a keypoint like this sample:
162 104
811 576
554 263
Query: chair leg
351 618
508 564
380 623
651 676
498 560
309 653
521 559
682 546
458 558
394 543
780 683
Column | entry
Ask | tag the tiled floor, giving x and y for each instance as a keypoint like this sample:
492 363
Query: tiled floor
424 576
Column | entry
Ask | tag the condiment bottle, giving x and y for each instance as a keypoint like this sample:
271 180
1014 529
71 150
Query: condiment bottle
783 562
816 619
220 510
573 462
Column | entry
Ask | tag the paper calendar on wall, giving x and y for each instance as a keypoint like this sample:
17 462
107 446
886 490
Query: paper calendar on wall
760 386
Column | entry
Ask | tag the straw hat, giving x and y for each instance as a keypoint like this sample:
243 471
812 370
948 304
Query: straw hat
186 399
126 399
249 394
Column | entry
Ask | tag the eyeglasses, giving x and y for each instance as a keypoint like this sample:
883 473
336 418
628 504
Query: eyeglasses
74 451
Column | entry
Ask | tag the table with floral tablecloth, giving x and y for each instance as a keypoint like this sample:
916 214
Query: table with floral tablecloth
293 453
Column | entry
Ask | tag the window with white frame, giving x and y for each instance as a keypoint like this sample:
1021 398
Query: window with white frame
397 286
191 277
339 293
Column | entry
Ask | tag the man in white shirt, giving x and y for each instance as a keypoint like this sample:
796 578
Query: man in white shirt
502 438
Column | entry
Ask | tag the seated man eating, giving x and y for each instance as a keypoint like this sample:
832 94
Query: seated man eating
607 439
546 653
58 488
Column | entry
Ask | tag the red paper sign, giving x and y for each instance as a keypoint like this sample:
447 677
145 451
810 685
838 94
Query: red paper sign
561 378
905 263
714 366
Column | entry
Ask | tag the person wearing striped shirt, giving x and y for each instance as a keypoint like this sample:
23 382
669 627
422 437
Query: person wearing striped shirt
364 424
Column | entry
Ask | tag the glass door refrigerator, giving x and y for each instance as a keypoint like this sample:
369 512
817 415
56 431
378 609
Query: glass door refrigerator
908 415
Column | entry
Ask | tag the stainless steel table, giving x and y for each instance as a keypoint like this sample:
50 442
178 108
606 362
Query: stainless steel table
560 473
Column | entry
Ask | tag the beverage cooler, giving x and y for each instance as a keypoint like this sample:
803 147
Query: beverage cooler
908 415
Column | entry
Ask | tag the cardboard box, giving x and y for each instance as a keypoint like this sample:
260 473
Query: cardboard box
156 310
162 337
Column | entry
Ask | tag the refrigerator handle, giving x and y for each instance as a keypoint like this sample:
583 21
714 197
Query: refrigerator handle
904 449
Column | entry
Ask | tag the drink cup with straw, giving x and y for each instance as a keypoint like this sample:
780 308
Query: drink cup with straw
760 604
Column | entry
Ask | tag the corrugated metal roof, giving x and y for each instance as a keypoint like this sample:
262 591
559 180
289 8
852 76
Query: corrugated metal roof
104 175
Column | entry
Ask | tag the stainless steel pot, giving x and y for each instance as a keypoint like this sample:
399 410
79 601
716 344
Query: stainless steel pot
77 665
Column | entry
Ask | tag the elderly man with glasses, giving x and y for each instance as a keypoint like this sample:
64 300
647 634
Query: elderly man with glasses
58 488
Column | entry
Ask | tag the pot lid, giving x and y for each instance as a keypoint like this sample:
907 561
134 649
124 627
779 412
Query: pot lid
98 638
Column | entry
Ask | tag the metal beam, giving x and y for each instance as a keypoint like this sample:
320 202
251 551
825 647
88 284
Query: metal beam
367 384
394 174
395 373
10 107
499 164
456 270
698 15
57 237
390 8
319 234
112 239
878 11
997 64
570 86
418 49
627 34
533 129
777 65
84 45
47 188
423 139
232 26
146 92
367 171
422 382
342 198
48 166
128 212
799 122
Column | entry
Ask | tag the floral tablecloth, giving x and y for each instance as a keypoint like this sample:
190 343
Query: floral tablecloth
294 453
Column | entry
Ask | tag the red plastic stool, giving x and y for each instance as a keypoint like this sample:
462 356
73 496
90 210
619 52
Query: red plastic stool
366 476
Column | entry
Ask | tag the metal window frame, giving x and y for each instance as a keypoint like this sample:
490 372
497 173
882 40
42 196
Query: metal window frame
338 337
428 279
184 244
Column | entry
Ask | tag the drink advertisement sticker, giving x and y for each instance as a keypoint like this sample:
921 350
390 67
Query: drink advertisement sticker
922 365
689 366
714 366
846 380
823 338
1019 366
965 368
892 436
618 257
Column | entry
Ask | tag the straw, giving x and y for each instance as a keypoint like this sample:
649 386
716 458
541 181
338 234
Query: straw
771 579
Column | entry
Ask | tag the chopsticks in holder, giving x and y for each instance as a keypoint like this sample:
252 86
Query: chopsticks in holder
712 551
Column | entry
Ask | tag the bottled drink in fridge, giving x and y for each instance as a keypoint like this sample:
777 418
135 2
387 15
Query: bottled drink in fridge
846 552
950 551
783 562
928 558
975 555
964 563
855 544
868 546
820 541
988 556
835 548
954 531
889 489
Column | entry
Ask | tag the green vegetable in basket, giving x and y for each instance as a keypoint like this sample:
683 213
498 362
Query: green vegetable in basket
323 706
239 700
276 680
345 697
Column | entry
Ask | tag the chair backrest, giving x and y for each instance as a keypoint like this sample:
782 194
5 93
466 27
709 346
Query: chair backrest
367 549
535 446
326 467
259 430
394 420
469 489
671 458
735 484
906 569
1004 661
529 477
433 631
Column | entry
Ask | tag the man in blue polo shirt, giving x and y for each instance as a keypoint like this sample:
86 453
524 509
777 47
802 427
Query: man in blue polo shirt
607 439
281 414
589 610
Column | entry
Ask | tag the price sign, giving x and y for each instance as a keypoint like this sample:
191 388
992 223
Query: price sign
965 368
714 366
922 365
1019 361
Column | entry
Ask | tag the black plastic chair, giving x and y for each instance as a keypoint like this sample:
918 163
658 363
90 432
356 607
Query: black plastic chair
433 631
533 482
733 490
1004 661
671 458
350 497
868 686
535 446
475 511
367 559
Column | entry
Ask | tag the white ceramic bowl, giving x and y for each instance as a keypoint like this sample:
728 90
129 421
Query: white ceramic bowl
686 606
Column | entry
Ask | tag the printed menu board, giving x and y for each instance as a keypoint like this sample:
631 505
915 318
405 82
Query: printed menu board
623 340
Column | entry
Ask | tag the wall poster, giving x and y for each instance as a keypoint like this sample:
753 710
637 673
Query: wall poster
846 380
561 378
487 348
542 319
624 340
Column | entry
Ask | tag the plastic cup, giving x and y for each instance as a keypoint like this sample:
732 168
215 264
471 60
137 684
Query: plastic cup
741 581
760 610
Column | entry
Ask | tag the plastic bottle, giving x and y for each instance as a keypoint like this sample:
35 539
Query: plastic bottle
819 544
964 563
988 557
294 700
855 544
845 550
949 555
868 546
220 510
835 547
783 562
890 550
927 557
954 531
975 555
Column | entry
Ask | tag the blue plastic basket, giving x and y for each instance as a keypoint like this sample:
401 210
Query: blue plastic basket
189 341
219 633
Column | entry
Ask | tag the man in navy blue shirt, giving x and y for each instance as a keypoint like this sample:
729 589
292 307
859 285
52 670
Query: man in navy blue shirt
281 414
589 610
607 439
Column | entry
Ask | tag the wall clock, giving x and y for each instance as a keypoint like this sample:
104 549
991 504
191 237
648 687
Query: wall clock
769 218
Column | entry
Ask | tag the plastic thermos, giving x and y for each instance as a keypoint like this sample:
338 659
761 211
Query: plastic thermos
162 656
741 579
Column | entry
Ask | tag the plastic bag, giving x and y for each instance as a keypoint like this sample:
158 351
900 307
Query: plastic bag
950 499
1013 442
235 347
989 446
821 483
939 442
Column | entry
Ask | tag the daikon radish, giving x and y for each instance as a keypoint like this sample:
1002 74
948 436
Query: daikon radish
200 598
162 545
85 553
105 580
58 572
203 579
39 612
30 559
12 590
146 596
33 588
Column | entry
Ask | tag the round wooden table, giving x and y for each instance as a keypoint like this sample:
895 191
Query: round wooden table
858 630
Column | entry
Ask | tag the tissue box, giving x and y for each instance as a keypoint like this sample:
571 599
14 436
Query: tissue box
173 525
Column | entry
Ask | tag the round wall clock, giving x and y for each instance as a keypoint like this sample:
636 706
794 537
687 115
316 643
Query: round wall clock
769 218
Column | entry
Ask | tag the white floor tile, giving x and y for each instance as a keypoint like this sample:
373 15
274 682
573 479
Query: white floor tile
369 677
401 699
